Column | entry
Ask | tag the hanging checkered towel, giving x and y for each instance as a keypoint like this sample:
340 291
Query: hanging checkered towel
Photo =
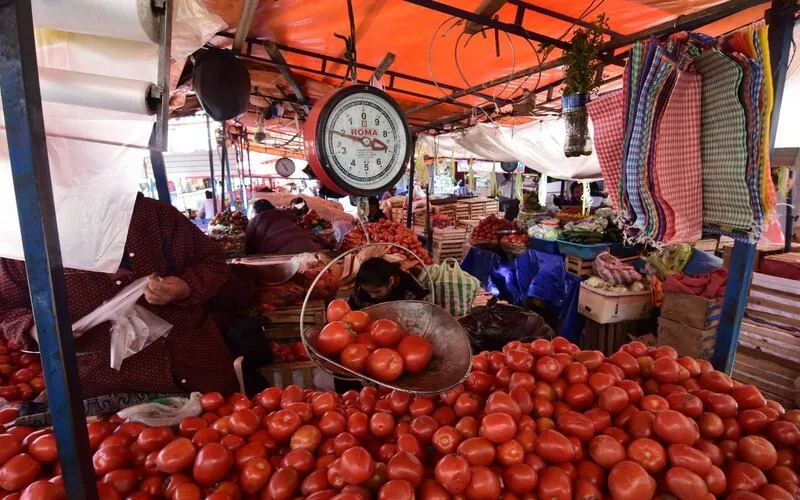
609 128
723 145
677 166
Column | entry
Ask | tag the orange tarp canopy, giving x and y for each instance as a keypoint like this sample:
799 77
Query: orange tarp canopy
426 42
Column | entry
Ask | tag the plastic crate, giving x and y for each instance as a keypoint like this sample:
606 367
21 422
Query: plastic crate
548 246
585 252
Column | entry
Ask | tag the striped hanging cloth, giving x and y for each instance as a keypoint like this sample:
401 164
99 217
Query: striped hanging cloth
768 197
609 129
726 204
677 163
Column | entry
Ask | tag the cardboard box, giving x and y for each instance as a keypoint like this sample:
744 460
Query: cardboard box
686 340
607 307
691 310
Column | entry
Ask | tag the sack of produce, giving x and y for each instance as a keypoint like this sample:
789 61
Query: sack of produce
492 326
614 271
454 290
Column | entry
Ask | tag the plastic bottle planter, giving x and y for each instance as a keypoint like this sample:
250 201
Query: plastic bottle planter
577 141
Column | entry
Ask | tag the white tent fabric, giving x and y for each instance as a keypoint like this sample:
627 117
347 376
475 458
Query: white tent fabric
538 145
94 177
789 123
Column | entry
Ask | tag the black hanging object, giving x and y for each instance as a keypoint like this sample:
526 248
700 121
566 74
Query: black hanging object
222 84
508 166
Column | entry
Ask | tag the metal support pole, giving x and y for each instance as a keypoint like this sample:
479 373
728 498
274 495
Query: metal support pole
159 168
211 167
781 26
410 208
223 160
27 147
743 255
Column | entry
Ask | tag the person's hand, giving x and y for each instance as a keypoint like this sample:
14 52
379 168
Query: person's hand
161 291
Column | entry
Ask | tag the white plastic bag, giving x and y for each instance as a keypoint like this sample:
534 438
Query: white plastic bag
164 412
132 326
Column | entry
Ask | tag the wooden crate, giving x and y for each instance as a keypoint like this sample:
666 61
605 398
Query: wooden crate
707 245
492 207
686 340
763 250
768 354
697 312
775 381
578 266
281 374
399 215
285 323
607 338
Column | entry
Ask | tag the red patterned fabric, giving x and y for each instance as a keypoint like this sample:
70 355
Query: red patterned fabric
609 127
677 161
193 357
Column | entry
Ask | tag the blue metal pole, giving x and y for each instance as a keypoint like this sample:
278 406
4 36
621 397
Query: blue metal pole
780 18
740 272
22 104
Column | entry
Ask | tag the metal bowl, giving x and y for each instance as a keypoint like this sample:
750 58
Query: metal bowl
452 357
267 272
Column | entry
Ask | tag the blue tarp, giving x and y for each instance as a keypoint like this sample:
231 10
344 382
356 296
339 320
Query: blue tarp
533 275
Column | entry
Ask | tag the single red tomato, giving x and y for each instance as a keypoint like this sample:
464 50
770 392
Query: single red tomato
745 477
109 458
629 481
407 467
43 490
175 457
681 455
254 475
649 454
478 451
685 484
19 472
357 465
484 483
454 473
386 333
337 310
554 484
283 423
282 485
674 428
498 427
355 357
154 438
554 447
416 353
757 451
606 451
385 365
212 401
307 437
396 490
333 338
359 321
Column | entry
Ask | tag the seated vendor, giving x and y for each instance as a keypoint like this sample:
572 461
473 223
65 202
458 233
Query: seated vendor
375 213
379 281
274 231
186 268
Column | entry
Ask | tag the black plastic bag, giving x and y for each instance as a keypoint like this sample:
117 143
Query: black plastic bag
492 326
222 84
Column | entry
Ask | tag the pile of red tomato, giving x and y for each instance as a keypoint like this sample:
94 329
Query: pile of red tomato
20 373
380 348
487 232
537 421
387 231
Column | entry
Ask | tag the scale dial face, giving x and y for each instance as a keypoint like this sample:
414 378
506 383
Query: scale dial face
284 167
362 140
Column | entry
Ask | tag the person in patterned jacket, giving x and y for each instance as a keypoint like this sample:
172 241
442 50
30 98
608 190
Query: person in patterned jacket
186 269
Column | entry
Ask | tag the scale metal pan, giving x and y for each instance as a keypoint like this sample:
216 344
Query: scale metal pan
452 357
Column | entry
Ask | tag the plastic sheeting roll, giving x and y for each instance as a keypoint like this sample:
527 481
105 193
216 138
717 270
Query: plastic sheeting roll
125 19
95 91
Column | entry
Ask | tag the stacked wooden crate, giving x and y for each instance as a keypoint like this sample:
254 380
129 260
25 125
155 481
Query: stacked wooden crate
577 266
768 353
449 243
689 324
285 327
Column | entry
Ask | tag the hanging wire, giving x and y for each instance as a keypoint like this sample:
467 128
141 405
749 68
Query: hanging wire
469 38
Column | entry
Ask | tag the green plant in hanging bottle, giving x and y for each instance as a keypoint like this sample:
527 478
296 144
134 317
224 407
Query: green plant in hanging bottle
583 71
